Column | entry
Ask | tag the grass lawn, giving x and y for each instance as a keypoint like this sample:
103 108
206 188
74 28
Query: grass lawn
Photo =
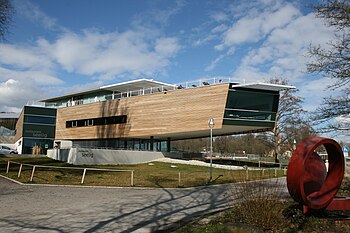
145 175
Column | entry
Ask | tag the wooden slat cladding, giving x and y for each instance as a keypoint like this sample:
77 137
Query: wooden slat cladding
157 115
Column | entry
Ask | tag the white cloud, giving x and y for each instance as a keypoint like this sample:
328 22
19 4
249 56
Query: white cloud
283 52
35 14
23 57
39 77
213 64
111 54
14 94
167 47
256 25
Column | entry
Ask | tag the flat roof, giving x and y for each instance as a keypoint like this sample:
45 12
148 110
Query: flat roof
118 87
8 115
135 85
140 84
265 86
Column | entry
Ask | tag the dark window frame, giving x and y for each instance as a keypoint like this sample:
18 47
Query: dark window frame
111 120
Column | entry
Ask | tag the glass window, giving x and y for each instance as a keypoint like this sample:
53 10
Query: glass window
250 115
36 146
252 100
39 120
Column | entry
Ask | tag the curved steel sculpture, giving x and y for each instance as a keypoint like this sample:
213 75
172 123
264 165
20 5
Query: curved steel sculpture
308 180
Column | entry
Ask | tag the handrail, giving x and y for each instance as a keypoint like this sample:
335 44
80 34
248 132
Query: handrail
143 91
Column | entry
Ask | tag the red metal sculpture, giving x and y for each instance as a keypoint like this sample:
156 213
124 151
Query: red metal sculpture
308 181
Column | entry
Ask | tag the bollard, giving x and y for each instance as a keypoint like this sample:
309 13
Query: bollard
31 178
275 172
19 171
82 179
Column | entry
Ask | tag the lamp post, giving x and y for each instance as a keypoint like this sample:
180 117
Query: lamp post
211 124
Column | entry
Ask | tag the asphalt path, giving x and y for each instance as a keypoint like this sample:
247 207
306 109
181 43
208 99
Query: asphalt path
33 208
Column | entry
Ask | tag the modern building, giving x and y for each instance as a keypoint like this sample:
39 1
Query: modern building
35 130
147 115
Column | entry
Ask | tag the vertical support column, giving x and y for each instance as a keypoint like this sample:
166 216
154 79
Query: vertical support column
168 145
151 143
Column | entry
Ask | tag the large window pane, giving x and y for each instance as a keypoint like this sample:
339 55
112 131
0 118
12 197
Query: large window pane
40 120
252 100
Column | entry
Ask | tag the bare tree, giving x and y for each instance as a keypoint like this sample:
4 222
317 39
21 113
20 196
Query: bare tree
334 62
6 11
290 116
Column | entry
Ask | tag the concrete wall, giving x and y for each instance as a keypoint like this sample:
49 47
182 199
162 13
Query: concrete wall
80 156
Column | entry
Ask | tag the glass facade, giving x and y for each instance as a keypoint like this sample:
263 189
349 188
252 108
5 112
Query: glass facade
251 107
36 146
129 144
47 120
38 131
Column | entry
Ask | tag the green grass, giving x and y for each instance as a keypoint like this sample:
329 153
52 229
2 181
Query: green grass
158 175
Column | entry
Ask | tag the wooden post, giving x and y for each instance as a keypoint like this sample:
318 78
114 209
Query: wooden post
82 179
19 171
31 178
179 179
132 178
8 167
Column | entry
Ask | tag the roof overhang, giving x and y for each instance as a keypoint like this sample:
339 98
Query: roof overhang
265 86
119 87
136 85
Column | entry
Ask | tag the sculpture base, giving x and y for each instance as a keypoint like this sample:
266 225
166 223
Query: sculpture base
338 203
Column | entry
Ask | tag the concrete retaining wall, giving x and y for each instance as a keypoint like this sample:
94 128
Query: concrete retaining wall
80 156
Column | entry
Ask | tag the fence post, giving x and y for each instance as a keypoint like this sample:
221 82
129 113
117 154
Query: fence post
275 172
19 171
82 179
8 167
263 173
132 178
179 179
31 178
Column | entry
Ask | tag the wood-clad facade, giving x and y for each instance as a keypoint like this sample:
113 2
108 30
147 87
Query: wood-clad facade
176 114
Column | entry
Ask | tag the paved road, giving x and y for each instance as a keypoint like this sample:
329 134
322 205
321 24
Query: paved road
25 208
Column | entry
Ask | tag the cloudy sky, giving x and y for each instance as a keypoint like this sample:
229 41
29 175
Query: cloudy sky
55 47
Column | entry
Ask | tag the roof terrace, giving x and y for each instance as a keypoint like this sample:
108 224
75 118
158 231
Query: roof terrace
141 87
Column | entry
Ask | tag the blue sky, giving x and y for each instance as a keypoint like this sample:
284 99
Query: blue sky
55 47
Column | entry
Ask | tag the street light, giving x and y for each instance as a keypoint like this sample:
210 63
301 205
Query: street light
211 124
